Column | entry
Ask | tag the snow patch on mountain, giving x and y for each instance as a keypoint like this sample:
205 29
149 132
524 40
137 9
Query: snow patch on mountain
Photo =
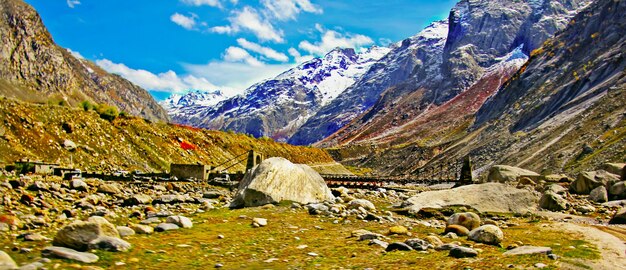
176 102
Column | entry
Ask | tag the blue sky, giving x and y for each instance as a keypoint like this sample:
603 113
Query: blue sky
173 46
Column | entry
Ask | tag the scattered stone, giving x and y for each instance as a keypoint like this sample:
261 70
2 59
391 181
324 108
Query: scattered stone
398 230
317 208
370 236
468 220
277 179
487 234
434 240
356 203
109 189
312 254
79 185
181 221
457 230
109 243
70 254
418 244
614 168
150 220
553 202
398 246
618 190
218 265
541 265
138 199
619 217
69 145
35 237
557 189
380 243
6 262
506 174
125 231
599 194
446 247
166 227
462 252
587 181
553 256
79 234
525 250
259 222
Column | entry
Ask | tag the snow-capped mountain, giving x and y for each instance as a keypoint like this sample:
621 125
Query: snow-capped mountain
176 102
277 107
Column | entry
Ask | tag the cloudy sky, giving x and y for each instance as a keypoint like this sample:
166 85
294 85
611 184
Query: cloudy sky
173 46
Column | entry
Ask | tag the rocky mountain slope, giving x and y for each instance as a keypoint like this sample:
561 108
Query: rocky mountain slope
33 68
69 135
480 34
277 107
564 110
177 104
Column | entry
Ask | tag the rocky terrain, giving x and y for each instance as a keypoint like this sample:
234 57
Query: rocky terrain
34 69
545 222
79 138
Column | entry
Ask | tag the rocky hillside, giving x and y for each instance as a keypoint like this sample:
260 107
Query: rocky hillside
476 55
564 110
277 107
62 134
33 68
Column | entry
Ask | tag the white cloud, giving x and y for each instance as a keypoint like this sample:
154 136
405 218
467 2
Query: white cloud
288 9
250 20
299 58
235 77
167 81
187 22
75 54
236 54
212 3
331 39
73 3
264 51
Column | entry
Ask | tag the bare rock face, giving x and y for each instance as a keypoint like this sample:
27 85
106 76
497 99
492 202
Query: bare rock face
489 197
79 234
37 70
277 179
505 174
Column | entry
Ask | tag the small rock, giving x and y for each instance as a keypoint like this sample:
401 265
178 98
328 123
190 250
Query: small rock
259 222
109 244
79 234
619 217
525 250
69 145
553 202
356 203
166 227
181 221
599 195
398 246
488 234
35 237
125 231
418 244
380 243
398 230
109 189
312 254
457 229
541 265
462 252
468 220
79 185
142 229
70 254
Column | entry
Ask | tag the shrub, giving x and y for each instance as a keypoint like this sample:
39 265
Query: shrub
86 105
107 112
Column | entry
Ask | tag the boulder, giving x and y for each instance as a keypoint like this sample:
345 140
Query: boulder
6 262
587 181
553 202
79 185
489 197
142 229
468 220
457 229
618 190
138 199
70 254
79 234
109 243
276 180
487 234
166 227
506 174
183 222
619 217
614 168
418 244
109 189
526 250
557 189
599 195
125 231
259 222
462 252
356 203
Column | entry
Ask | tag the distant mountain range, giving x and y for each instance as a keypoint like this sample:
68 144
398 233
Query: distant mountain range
33 68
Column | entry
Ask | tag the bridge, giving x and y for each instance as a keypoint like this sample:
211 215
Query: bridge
353 181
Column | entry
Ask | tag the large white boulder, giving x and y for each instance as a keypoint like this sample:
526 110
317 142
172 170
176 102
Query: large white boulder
489 197
505 174
276 180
